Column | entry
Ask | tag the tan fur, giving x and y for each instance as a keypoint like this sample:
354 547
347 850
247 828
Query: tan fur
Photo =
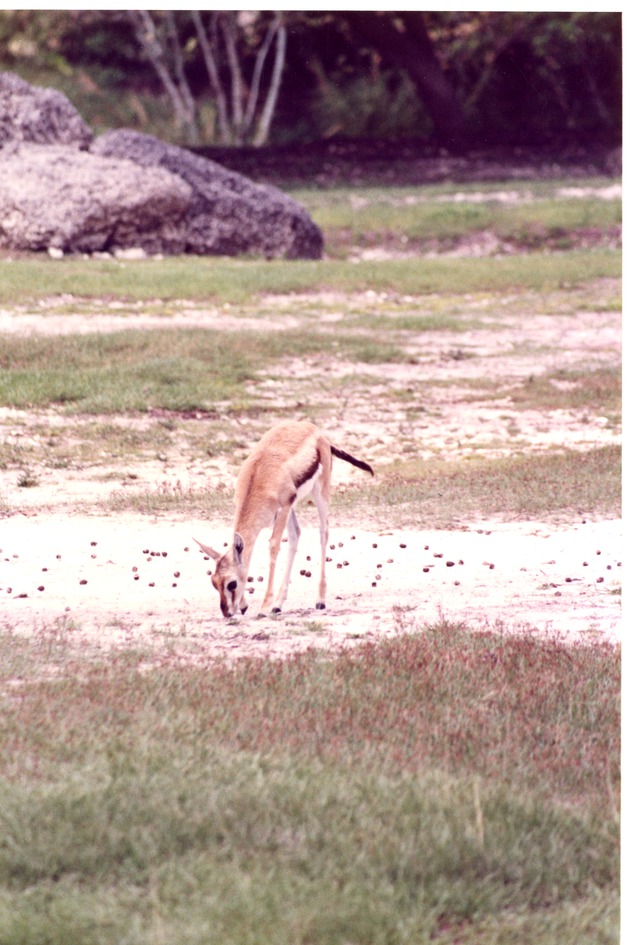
292 460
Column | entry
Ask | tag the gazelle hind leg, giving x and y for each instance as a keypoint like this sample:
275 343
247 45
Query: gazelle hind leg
294 532
322 503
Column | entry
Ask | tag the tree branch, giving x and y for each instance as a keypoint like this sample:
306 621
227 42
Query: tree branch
264 124
212 69
254 89
147 36
227 25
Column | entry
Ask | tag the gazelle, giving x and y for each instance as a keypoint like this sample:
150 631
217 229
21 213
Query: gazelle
292 460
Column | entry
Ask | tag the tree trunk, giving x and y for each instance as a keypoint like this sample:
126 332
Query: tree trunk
402 40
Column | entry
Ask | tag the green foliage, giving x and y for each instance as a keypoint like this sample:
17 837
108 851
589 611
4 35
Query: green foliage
532 76
521 77
384 106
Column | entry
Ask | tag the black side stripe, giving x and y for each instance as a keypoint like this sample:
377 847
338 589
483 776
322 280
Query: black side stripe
308 473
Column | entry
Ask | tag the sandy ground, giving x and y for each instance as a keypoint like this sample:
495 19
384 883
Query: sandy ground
134 582
129 581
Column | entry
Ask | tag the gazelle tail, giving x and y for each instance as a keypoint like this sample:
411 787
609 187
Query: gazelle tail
340 454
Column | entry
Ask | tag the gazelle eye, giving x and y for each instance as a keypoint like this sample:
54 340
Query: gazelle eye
231 586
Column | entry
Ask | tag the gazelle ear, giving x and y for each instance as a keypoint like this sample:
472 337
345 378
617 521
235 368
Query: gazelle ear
238 548
209 551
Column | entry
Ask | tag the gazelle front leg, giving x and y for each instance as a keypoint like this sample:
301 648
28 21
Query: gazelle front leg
274 547
293 531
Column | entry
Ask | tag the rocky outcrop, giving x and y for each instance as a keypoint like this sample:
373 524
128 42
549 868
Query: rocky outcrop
228 214
63 190
57 197
43 116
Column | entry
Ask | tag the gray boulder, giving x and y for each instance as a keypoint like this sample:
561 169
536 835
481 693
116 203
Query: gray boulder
44 116
228 214
57 197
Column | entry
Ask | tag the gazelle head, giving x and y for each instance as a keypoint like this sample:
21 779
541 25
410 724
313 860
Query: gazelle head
230 576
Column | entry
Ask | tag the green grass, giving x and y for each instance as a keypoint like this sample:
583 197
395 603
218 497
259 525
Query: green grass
416 214
598 390
122 371
441 494
168 368
238 281
175 369
440 784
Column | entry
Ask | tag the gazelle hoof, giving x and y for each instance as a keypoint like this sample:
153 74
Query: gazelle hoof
320 605
276 610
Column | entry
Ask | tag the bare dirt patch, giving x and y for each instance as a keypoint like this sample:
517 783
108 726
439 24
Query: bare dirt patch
68 569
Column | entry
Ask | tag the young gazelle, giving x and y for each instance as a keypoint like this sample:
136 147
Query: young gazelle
292 460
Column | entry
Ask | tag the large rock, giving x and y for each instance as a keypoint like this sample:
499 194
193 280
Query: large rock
229 214
55 196
38 115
